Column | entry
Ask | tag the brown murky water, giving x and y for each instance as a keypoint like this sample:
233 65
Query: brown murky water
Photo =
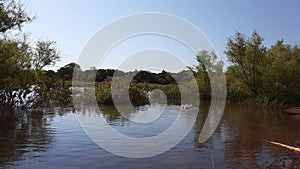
55 139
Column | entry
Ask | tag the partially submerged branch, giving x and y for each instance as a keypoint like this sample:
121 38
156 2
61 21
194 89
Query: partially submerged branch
285 146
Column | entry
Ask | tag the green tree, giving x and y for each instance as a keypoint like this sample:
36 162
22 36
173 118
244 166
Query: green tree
12 15
21 64
236 88
248 54
16 75
66 72
45 54
165 78
268 76
209 68
283 74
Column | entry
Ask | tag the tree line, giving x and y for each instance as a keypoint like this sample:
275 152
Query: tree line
257 74
101 75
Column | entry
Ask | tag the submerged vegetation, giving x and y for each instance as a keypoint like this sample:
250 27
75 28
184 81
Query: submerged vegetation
21 62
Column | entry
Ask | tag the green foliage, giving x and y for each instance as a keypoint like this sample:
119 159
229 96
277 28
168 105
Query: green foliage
45 54
137 95
66 72
12 15
52 91
16 77
103 93
21 64
171 91
165 78
126 91
236 89
263 101
209 69
258 75
103 74
268 76
282 77
249 56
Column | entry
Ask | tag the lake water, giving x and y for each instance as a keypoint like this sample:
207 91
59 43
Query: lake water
55 139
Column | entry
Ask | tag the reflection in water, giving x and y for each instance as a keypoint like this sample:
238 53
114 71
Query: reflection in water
54 139
141 145
24 135
241 135
109 113
245 130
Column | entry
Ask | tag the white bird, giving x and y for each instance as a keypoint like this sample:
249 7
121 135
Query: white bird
186 106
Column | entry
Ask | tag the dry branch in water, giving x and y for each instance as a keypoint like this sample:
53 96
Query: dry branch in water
285 146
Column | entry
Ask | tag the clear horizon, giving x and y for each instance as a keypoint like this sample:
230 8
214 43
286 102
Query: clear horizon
71 25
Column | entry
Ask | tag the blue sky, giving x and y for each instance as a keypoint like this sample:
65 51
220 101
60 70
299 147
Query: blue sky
72 23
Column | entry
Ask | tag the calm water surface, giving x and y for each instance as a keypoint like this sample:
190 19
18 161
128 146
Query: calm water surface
55 139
